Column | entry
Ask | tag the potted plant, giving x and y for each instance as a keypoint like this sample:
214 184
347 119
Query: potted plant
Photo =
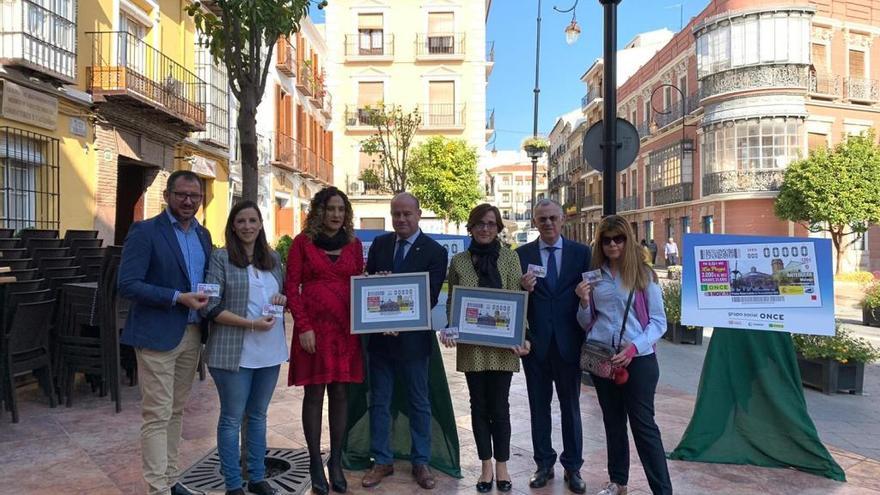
283 247
673 272
834 363
535 146
871 305
675 331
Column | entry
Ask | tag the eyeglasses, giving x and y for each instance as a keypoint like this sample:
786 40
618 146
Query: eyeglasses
181 196
618 239
485 226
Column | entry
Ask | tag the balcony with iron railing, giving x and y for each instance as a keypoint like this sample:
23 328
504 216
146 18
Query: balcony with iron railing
674 111
594 95
644 129
675 193
304 78
127 70
766 76
590 201
377 47
825 86
325 171
288 152
490 58
736 181
285 57
443 116
317 89
327 105
216 100
628 203
440 46
40 38
364 117
859 90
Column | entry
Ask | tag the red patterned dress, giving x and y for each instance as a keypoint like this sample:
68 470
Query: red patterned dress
318 297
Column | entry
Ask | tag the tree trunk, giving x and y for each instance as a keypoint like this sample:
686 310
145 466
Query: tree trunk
247 131
837 240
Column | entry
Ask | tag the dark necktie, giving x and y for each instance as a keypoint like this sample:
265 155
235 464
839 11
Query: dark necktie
399 255
552 273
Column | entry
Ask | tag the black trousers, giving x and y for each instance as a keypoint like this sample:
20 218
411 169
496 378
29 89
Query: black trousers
634 400
490 412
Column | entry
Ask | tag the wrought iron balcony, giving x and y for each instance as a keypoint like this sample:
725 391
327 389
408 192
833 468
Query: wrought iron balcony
285 57
825 86
592 95
360 117
304 82
365 47
675 111
440 46
733 181
862 90
756 77
443 115
628 203
673 194
126 69
317 89
41 38
288 152
327 105
325 171
644 129
693 102
590 201
217 99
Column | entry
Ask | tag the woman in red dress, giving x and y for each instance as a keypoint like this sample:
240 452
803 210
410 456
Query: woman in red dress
324 354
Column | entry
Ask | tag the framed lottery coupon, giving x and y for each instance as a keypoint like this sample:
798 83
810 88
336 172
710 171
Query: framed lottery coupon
400 302
492 317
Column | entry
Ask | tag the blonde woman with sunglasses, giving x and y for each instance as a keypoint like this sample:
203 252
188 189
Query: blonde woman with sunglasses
628 290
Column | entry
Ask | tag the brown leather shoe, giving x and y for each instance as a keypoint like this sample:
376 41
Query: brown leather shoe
376 473
424 476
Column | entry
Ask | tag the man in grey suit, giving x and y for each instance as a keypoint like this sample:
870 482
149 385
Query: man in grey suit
556 341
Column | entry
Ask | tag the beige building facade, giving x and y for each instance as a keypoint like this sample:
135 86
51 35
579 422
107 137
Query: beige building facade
430 56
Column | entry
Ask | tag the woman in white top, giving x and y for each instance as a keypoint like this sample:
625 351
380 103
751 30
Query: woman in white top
628 290
246 345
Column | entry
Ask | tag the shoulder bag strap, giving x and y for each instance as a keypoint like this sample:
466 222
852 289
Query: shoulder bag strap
629 301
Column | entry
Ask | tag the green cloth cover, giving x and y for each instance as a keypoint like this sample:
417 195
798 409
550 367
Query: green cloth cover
444 435
751 409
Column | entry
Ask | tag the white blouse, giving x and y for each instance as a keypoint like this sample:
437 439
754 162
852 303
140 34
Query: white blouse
262 349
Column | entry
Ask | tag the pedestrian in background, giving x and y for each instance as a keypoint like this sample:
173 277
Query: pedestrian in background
671 252
246 346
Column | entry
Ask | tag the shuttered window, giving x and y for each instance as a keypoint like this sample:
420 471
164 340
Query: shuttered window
820 57
370 93
856 63
441 22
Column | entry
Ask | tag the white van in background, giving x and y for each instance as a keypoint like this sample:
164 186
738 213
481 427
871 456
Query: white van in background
523 237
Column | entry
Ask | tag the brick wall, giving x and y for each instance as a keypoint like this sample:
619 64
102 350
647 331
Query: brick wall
107 155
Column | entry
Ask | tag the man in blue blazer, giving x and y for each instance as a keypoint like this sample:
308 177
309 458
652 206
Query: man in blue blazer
163 260
405 355
556 341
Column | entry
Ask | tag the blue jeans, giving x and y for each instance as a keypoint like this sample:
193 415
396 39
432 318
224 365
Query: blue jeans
246 391
414 373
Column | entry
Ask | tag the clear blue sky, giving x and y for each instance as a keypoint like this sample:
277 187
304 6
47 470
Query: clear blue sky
512 27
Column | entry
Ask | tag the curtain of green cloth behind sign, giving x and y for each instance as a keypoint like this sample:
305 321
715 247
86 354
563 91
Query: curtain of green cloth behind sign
750 407
444 436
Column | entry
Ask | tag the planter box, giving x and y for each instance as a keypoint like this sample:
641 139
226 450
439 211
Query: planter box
871 317
680 334
830 376
673 274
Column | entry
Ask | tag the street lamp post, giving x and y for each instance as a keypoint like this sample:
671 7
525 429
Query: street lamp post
609 114
537 91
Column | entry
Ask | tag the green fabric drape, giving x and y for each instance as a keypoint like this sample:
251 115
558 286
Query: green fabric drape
444 435
750 407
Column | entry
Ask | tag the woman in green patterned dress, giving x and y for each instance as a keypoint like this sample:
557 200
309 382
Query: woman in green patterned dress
488 370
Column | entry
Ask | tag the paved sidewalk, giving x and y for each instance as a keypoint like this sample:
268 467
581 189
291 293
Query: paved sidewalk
87 449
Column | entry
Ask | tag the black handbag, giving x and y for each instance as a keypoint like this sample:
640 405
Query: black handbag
596 356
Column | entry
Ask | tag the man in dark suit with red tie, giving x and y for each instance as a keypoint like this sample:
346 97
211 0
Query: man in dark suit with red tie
556 341
405 355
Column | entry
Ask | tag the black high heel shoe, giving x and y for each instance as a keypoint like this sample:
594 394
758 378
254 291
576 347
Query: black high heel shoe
337 478
485 486
319 480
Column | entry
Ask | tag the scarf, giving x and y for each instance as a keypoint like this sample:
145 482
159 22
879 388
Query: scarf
485 259
327 243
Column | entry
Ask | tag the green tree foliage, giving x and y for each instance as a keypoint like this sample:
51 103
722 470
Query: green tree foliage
444 177
835 191
241 34
395 131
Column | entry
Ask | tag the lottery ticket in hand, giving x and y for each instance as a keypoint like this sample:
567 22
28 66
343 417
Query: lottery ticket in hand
592 276
210 290
450 333
538 270
273 310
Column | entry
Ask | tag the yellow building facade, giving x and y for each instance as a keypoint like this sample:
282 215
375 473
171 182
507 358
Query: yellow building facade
431 56
103 99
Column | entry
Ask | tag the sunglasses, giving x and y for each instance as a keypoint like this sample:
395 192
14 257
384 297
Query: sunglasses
618 239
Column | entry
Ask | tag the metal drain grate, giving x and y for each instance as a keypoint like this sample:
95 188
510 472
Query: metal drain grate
286 469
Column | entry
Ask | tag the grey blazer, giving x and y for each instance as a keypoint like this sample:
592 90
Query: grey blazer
223 349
